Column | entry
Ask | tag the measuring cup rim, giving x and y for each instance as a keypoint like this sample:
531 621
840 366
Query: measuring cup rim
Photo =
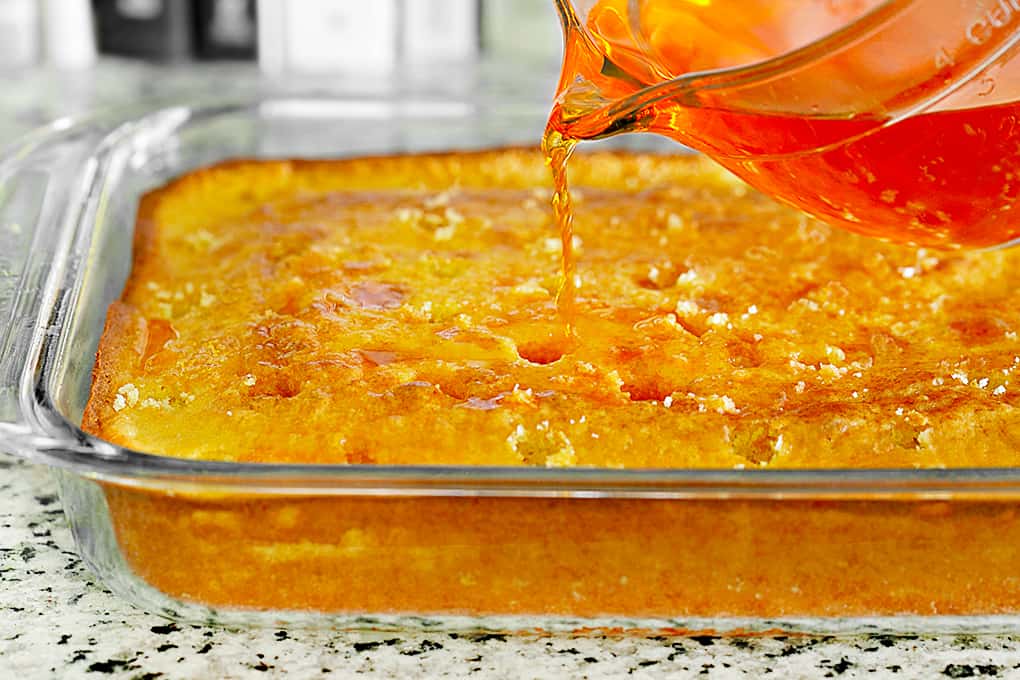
756 72
690 85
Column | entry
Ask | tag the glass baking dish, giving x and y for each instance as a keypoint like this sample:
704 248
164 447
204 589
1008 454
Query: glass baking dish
452 547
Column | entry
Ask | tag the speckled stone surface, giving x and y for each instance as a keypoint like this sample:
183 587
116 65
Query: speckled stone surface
56 621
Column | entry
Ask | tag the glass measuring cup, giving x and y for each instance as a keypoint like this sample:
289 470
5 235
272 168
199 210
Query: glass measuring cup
895 119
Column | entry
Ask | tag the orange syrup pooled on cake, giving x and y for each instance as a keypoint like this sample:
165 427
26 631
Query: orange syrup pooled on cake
944 179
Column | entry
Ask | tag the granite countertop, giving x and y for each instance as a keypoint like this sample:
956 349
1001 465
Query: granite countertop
57 621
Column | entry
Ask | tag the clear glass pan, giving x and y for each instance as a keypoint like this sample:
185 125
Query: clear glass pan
826 550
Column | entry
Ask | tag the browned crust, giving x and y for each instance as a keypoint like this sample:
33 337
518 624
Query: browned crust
123 340
144 239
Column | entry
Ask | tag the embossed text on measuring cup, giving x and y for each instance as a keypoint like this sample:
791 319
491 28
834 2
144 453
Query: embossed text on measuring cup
990 24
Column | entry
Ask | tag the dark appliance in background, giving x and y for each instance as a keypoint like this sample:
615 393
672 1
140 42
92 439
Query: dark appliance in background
160 30
225 29
176 30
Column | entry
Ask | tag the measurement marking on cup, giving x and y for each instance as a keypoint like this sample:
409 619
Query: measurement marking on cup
943 59
982 29
991 20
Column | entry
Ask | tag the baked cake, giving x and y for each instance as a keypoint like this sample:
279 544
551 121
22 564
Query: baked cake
401 310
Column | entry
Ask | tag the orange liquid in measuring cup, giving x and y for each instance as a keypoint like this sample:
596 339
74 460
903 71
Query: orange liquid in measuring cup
946 179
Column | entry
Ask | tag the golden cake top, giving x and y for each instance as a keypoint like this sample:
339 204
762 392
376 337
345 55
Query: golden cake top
401 311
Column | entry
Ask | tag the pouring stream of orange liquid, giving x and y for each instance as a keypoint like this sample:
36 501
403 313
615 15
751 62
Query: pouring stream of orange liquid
557 152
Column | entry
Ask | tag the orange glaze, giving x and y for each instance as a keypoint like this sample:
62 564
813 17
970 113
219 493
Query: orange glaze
946 179
557 153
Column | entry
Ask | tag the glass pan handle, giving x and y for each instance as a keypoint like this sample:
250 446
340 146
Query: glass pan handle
38 176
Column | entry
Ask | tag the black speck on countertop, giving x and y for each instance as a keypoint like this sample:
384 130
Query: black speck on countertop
489 637
164 629
707 640
111 665
954 670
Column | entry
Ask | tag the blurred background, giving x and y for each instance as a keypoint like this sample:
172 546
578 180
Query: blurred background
280 35
66 57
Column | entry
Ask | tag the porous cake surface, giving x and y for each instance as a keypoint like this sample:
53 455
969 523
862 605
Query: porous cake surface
401 310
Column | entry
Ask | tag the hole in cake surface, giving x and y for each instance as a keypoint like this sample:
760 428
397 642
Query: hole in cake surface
362 266
542 351
742 354
659 276
979 330
378 357
646 391
647 283
159 332
479 404
375 295
756 442
273 384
